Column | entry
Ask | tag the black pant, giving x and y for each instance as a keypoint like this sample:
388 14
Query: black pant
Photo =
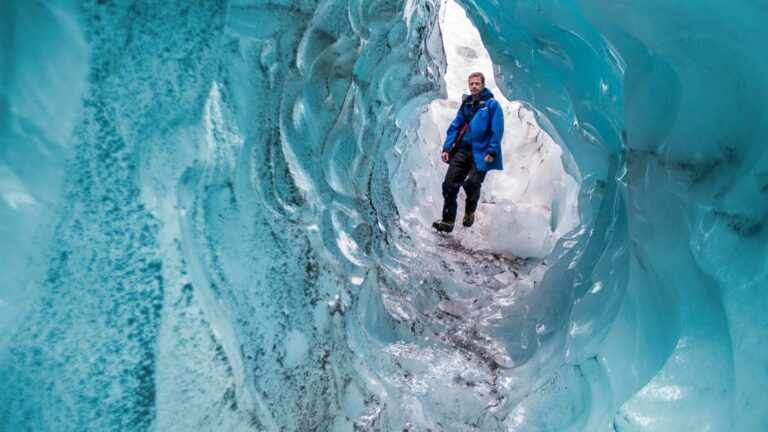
461 172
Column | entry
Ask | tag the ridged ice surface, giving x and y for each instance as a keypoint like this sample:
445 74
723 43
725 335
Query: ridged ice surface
206 220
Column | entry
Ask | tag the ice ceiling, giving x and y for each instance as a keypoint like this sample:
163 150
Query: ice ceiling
209 219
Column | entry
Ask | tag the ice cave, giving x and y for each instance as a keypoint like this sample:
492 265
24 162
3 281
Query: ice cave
215 216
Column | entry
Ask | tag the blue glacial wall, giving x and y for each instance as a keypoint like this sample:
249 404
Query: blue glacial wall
663 104
201 234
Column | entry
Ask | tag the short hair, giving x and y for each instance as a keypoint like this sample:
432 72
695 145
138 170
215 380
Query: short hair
477 74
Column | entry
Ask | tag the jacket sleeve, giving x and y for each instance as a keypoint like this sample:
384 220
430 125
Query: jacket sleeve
454 128
497 128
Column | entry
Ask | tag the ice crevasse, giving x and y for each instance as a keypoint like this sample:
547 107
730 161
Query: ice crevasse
208 219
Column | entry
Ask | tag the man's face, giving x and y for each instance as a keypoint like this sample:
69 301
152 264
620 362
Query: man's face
475 85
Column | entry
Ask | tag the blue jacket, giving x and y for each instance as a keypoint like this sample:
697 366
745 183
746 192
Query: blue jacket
485 129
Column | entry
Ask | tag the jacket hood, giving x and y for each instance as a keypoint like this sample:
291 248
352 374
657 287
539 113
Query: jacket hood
482 97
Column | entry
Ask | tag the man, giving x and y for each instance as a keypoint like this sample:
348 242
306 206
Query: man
470 154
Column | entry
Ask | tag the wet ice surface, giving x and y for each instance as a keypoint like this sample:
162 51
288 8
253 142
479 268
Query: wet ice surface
467 374
471 286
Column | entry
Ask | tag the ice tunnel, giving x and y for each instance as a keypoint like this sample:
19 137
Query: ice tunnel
213 218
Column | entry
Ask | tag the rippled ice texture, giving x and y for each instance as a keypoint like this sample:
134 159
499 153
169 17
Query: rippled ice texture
201 227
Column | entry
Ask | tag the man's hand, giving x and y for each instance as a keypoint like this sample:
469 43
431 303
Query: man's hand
488 158
445 156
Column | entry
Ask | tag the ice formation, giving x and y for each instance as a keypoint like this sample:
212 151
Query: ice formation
208 221
526 207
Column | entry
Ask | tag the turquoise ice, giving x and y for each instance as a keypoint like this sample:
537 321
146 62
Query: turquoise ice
201 230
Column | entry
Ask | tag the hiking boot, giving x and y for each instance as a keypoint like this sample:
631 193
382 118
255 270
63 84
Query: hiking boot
469 219
443 226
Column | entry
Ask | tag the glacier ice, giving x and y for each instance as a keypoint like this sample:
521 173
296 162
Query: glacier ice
209 218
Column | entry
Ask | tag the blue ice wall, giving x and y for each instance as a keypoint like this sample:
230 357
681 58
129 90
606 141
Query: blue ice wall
203 237
664 103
